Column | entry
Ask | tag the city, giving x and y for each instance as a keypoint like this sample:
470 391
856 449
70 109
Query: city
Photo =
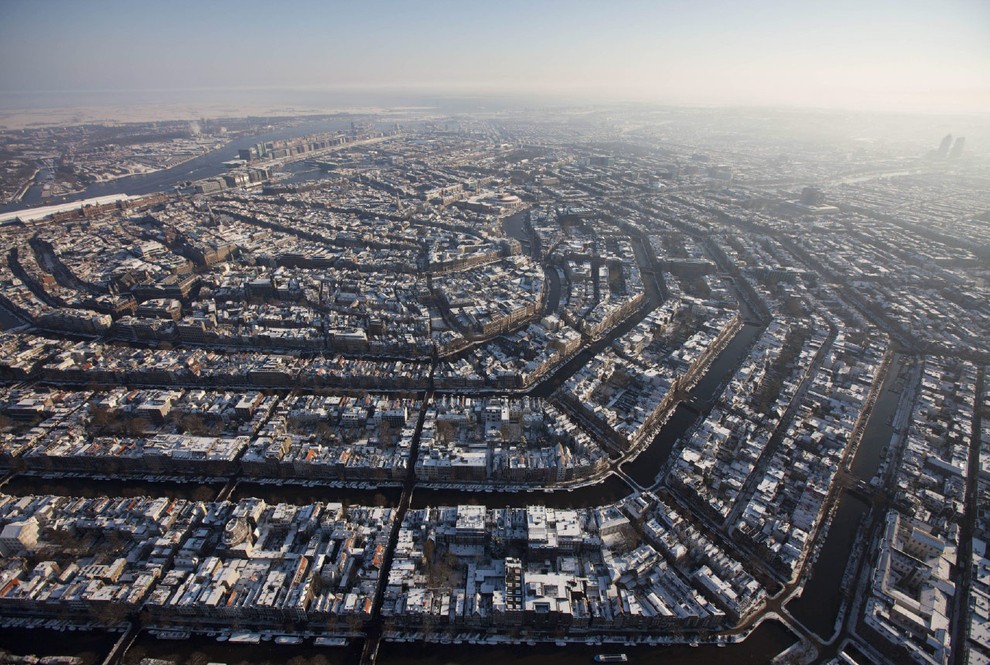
443 333
487 381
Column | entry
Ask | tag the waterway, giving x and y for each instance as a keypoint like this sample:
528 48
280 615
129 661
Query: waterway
645 468
302 494
8 320
89 488
609 490
876 438
769 639
205 166
724 366
818 607
91 646
201 649
514 226
196 491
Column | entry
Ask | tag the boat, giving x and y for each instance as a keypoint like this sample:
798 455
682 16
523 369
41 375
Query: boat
611 658
245 637
288 639
330 641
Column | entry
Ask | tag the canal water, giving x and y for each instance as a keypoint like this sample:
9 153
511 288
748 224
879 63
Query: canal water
192 491
878 433
302 495
610 490
200 650
89 488
724 366
768 640
205 166
8 320
645 468
91 646
647 465
818 607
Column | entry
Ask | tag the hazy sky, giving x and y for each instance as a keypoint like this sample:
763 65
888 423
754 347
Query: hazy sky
903 55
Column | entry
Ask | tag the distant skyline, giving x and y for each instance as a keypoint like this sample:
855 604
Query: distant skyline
882 56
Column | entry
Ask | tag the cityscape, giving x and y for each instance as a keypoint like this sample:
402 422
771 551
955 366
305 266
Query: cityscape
494 379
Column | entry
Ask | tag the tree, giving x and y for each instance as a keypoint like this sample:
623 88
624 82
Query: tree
429 550
445 431
386 434
137 426
355 623
507 431
197 425
100 417
203 493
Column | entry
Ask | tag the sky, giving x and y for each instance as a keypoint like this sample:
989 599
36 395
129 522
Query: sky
910 56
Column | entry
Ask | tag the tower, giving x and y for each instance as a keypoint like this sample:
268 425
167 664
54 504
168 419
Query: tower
812 196
943 148
957 148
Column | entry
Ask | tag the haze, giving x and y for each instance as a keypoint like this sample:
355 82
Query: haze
884 56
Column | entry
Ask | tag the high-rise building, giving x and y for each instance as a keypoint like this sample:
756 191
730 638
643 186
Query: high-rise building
812 196
957 148
943 148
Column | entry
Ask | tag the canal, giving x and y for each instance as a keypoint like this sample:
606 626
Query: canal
205 166
647 465
873 447
302 495
8 321
91 646
819 605
199 650
724 366
22 485
820 602
607 491
768 640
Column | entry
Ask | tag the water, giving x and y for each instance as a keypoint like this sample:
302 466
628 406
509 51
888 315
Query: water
302 495
610 490
514 228
759 649
724 366
88 488
878 432
191 652
553 293
91 646
192 491
205 166
8 320
818 607
647 465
